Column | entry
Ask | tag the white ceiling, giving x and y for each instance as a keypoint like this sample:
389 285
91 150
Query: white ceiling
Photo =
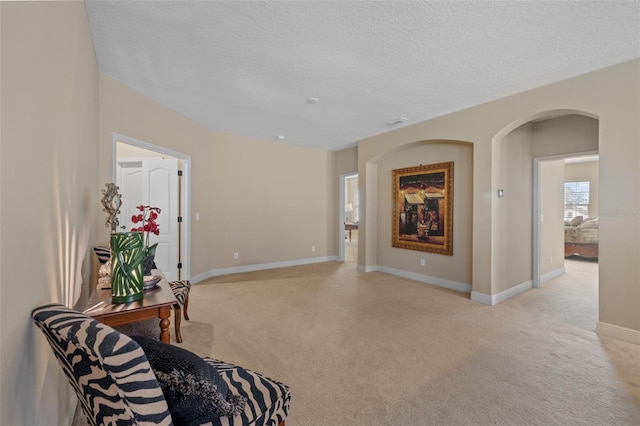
249 67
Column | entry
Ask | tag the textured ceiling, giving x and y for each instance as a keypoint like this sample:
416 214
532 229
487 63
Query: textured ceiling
248 67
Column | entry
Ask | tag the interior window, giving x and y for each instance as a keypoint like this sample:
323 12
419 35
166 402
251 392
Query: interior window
576 199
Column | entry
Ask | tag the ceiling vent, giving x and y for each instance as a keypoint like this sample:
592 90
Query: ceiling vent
396 121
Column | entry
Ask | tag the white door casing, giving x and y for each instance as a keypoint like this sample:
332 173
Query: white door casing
153 182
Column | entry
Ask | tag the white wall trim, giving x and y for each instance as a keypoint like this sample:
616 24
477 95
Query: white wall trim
621 333
427 279
341 218
553 274
185 234
260 267
363 268
342 197
486 299
537 165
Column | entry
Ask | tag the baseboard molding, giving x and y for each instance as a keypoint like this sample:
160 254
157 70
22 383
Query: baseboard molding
551 275
363 268
621 333
487 299
259 267
427 279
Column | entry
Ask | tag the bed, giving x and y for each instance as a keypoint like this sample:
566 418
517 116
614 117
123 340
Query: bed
581 237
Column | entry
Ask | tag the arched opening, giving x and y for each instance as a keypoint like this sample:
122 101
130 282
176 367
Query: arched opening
529 168
376 250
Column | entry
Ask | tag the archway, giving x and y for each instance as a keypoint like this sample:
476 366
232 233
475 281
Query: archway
376 251
549 135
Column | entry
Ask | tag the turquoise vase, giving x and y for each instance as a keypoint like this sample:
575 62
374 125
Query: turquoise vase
127 278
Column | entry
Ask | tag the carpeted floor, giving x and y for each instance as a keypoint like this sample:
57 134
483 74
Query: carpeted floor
374 349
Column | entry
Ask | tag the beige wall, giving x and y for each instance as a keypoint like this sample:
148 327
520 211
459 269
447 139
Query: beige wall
587 171
50 194
58 116
125 150
565 135
512 218
346 161
610 95
269 202
456 268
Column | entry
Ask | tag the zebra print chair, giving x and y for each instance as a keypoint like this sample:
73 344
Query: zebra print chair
115 383
181 289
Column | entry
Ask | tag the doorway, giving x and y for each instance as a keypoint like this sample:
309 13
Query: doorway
572 285
145 180
528 216
143 170
571 294
558 232
349 218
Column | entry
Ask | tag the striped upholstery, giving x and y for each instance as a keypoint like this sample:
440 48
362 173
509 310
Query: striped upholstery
108 371
267 400
181 290
103 253
116 385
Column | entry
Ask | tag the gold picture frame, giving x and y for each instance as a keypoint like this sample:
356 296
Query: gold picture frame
422 216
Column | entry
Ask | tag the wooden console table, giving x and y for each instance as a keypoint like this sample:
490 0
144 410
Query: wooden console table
348 226
156 303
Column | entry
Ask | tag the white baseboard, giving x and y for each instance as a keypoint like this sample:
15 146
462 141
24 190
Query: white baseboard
487 299
551 275
259 267
621 333
428 279
363 268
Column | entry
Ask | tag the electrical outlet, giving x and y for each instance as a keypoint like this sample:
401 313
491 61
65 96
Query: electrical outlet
551 260
235 255
423 262
313 248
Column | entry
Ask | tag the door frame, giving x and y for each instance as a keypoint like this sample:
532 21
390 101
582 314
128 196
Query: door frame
341 217
185 192
537 219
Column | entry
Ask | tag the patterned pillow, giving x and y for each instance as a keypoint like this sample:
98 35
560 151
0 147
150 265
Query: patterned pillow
103 253
576 221
194 390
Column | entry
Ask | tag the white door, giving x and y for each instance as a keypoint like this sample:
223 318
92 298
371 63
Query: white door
153 182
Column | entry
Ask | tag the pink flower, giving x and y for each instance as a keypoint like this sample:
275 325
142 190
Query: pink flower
149 225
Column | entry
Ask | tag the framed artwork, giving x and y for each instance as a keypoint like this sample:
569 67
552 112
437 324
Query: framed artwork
423 208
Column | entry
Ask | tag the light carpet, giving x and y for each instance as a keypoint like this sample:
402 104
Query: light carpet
374 349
